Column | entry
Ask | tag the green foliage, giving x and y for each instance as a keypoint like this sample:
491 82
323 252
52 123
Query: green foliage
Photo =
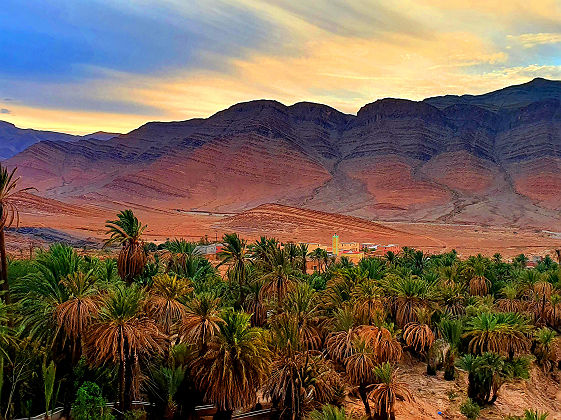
134 415
125 228
90 404
530 414
470 409
329 412
49 373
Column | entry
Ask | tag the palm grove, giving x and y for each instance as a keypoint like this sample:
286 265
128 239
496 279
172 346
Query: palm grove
162 326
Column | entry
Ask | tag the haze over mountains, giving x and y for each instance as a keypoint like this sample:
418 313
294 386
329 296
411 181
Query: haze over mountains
489 159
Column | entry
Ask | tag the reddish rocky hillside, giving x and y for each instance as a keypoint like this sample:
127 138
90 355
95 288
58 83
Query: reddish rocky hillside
490 159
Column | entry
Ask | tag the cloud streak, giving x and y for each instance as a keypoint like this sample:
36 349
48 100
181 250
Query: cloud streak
531 40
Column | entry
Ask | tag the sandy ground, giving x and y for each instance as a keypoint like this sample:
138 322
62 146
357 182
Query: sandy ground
432 394
78 223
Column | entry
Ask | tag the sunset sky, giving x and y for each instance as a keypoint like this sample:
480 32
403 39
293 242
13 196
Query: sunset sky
81 66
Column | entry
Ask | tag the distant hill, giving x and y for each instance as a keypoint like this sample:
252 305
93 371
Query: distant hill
512 97
100 135
13 139
492 159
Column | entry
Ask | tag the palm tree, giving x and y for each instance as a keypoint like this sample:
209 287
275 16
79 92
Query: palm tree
509 301
299 378
59 303
303 304
302 255
9 215
546 348
201 321
166 303
387 391
317 256
410 294
497 332
127 232
77 312
280 276
121 335
359 367
451 330
235 255
369 306
255 302
478 284
391 258
234 366
486 374
418 334
182 256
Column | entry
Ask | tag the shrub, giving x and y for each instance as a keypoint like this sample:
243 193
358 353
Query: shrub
328 412
90 404
530 415
470 409
534 415
135 415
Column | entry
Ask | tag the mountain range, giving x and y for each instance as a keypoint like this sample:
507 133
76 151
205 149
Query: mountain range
13 139
491 159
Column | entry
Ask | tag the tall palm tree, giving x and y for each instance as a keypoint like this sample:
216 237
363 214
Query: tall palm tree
234 366
299 378
303 254
44 289
77 312
235 255
369 306
359 367
9 215
121 335
387 391
255 302
127 232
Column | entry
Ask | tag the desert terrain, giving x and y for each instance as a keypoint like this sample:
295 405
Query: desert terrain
43 221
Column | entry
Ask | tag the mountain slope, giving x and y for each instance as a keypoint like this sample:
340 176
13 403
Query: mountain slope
14 140
490 159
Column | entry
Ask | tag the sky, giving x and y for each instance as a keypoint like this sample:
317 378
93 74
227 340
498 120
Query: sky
112 65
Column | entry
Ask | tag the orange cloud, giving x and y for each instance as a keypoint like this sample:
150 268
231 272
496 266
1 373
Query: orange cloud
450 48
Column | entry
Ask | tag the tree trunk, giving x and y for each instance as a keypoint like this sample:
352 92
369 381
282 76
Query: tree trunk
122 386
128 384
364 397
4 264
449 366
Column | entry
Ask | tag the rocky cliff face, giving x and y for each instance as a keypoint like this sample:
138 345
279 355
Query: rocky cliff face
491 159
